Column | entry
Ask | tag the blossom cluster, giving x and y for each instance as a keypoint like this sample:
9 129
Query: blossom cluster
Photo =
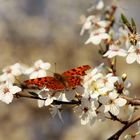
101 96
102 33
99 93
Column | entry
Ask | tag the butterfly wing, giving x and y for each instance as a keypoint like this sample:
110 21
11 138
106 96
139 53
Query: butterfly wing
72 82
73 76
68 80
48 82
77 71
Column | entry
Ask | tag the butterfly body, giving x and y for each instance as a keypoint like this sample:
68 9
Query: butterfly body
67 80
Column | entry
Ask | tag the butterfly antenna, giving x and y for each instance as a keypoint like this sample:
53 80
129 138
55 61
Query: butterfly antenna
55 67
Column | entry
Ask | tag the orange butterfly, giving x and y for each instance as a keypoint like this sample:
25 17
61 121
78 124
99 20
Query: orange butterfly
67 80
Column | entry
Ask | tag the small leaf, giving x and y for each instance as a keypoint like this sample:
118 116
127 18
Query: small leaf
133 26
126 22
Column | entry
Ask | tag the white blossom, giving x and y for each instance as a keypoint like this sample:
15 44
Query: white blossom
99 6
108 81
90 83
112 103
88 24
123 37
55 110
133 54
10 72
97 36
6 92
50 96
38 70
87 111
115 50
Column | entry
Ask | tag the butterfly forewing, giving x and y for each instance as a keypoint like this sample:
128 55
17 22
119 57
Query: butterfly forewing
77 71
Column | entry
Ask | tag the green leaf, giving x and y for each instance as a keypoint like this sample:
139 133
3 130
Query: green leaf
133 26
126 22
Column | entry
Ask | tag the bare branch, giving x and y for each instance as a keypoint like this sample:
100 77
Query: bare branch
119 132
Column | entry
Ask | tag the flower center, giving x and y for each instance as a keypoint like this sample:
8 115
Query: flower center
85 109
8 70
5 90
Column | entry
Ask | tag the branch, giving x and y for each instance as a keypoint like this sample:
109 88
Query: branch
115 118
132 101
119 132
55 102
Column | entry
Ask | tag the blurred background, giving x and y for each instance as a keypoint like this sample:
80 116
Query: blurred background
49 30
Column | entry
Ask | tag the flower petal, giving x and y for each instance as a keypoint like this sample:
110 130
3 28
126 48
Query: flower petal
120 102
14 89
131 58
114 109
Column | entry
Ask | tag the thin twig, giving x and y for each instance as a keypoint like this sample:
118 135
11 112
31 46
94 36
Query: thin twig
115 118
119 132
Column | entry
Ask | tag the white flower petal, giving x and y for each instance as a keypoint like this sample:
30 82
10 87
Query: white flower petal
7 98
113 95
104 36
94 39
29 71
120 102
106 108
41 103
132 49
104 99
100 5
131 58
114 109
45 66
48 101
122 53
14 89
84 119
38 63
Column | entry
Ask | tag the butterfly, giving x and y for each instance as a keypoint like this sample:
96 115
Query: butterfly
67 80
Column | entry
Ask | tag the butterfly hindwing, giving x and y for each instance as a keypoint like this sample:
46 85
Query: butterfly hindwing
48 82
73 81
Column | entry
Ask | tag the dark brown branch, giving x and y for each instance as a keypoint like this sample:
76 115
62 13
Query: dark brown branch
55 102
119 132
115 118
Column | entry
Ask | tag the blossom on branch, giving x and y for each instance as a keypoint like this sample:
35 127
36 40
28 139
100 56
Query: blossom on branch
38 70
115 50
11 72
112 102
87 111
7 91
133 54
